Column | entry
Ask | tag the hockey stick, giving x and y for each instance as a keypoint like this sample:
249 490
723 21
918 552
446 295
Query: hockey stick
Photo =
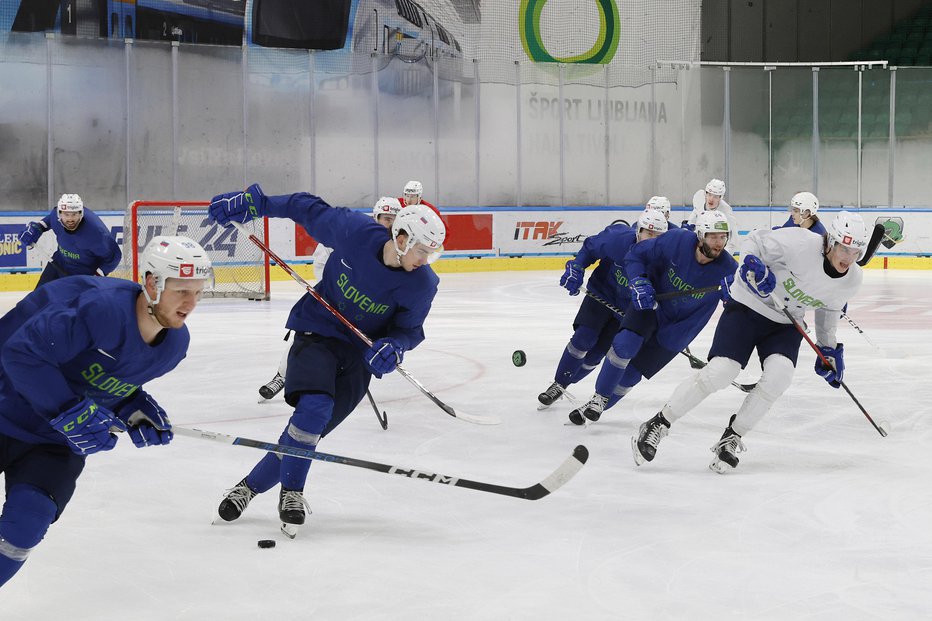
694 362
862 332
782 307
470 418
566 471
876 237
383 417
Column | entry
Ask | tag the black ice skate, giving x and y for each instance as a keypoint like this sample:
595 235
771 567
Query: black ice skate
553 393
274 387
591 411
644 446
291 511
726 450
236 501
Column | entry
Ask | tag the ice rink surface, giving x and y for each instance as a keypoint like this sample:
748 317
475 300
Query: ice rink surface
823 519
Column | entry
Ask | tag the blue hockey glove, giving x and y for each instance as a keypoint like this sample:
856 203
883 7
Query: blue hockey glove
87 427
725 290
32 233
572 278
238 206
686 225
835 355
384 356
763 281
642 293
146 421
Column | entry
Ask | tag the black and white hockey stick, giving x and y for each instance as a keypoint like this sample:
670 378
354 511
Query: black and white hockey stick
383 417
782 307
470 418
694 362
559 477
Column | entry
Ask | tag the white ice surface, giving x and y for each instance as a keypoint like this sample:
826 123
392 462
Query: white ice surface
823 519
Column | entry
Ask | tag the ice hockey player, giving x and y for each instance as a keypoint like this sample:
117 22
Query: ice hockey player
803 209
383 212
412 195
383 281
712 198
804 270
85 245
653 331
595 325
75 354
662 203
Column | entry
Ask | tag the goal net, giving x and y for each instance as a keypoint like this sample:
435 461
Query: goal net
241 269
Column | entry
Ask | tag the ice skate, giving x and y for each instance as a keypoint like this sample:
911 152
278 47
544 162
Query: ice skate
644 446
549 396
275 386
726 451
591 411
236 500
291 511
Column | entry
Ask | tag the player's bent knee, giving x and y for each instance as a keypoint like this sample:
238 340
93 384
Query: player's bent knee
310 417
583 340
776 377
718 374
27 514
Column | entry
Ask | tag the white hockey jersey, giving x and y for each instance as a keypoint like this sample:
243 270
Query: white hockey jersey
794 255
725 208
320 256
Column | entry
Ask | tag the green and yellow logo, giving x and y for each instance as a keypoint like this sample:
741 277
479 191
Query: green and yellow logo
602 51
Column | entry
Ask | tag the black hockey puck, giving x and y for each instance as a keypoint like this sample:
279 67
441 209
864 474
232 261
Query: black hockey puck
266 543
518 358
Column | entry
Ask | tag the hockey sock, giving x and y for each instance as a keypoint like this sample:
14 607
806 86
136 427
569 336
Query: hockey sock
265 475
628 381
624 348
711 378
27 514
573 356
310 418
776 377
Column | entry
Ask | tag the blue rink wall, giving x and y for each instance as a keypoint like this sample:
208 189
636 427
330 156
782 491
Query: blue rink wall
503 238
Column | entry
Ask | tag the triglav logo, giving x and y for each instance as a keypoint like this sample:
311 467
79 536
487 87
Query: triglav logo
602 51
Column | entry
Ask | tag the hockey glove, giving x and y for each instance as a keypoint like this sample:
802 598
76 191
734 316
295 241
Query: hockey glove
87 427
757 276
687 226
383 356
32 233
725 289
147 422
642 293
572 278
835 355
238 206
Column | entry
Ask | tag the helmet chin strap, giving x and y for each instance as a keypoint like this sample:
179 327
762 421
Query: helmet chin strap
150 307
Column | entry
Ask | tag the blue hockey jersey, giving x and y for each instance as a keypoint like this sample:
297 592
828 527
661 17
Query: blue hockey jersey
381 301
83 251
609 248
669 261
74 338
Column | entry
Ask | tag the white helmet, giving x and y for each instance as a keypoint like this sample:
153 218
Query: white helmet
174 257
70 203
387 205
805 201
716 187
652 220
712 221
414 187
661 203
848 229
422 225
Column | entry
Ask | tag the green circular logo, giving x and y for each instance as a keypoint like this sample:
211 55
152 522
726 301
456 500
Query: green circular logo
601 52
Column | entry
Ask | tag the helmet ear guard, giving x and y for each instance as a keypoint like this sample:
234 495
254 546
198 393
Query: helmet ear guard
173 257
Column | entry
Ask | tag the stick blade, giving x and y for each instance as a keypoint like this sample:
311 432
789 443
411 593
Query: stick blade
476 419
559 477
